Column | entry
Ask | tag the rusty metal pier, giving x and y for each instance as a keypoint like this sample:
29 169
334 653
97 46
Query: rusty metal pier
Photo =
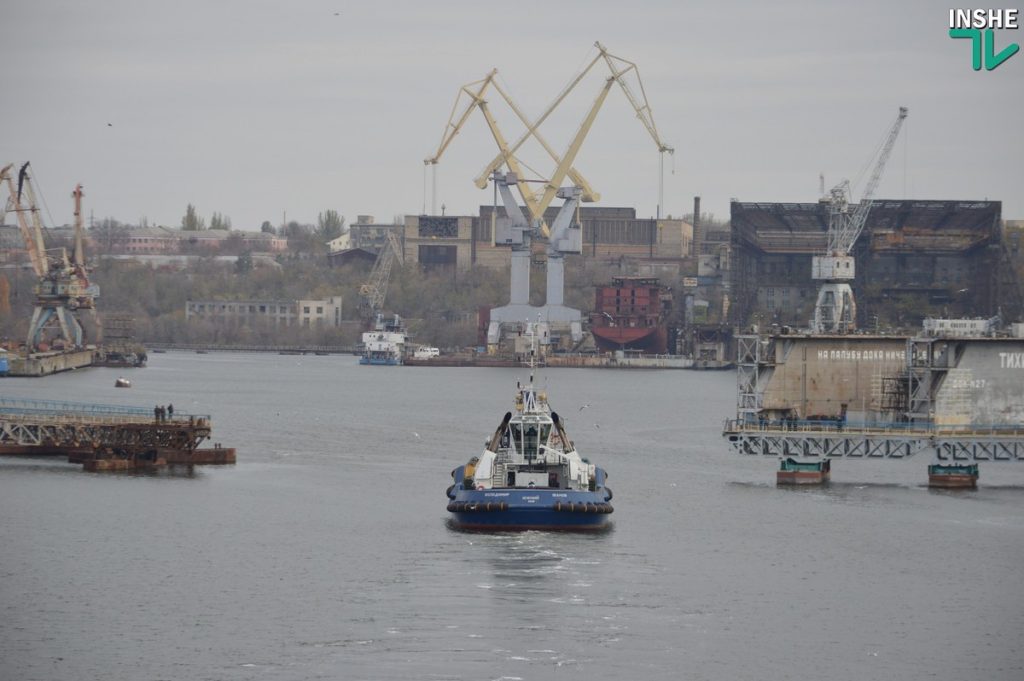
106 437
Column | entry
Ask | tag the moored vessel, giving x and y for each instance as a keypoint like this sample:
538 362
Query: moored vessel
385 344
793 472
953 476
630 314
530 475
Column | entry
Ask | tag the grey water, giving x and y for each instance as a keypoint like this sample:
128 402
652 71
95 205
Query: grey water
325 552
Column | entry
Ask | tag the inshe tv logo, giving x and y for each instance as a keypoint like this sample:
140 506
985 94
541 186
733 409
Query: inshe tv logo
969 23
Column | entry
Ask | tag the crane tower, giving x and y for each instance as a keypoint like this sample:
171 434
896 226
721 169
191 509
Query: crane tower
836 309
63 294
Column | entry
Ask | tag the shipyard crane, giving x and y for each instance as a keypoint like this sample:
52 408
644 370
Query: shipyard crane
474 95
835 310
619 69
374 291
62 291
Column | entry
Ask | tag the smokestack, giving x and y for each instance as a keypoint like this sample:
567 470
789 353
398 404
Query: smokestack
697 236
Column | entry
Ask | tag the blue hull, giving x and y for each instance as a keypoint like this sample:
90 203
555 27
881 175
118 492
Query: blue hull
529 509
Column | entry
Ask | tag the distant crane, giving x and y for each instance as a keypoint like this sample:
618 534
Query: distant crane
536 205
62 292
373 293
835 310
475 92
565 235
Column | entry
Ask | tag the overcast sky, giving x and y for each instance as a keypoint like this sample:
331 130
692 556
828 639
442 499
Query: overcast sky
254 109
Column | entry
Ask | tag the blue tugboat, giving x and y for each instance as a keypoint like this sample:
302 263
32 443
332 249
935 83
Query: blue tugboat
530 476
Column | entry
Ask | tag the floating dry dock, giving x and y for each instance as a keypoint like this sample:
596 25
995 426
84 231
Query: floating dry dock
47 363
806 399
107 437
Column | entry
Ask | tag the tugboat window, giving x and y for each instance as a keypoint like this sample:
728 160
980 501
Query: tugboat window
530 443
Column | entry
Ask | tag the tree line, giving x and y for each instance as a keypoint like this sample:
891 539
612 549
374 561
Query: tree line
441 306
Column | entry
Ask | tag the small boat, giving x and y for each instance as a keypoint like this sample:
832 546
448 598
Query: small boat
122 382
530 475
794 472
962 476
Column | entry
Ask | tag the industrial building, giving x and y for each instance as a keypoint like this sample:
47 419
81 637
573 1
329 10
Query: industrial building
307 313
366 234
609 234
914 258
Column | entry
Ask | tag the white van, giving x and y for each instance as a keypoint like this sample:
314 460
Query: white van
425 352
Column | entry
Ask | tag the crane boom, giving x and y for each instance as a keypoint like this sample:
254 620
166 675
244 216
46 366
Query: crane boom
506 152
640 105
31 233
844 233
375 290
536 207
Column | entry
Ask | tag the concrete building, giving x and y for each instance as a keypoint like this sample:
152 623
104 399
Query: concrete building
319 312
913 257
369 235
276 312
217 240
440 241
609 234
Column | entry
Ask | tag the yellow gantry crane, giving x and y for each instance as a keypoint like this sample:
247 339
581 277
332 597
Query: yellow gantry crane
536 205
475 92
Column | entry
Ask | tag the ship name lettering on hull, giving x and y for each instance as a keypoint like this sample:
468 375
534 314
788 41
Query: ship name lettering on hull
861 355
1011 360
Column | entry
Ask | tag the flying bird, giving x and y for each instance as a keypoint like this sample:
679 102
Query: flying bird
584 407
110 125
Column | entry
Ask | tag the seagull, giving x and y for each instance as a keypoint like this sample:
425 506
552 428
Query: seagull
597 425
110 125
416 435
584 407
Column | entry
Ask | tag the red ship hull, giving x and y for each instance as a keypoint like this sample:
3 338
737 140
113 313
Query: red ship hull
652 339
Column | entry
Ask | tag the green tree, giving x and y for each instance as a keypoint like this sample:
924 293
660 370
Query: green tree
192 222
218 221
243 264
267 228
329 225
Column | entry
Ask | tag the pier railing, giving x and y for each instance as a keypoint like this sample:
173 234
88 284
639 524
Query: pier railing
14 406
873 428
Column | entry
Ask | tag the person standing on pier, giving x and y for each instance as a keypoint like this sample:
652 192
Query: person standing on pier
170 411
156 413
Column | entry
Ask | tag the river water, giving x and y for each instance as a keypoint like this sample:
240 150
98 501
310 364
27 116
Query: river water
325 552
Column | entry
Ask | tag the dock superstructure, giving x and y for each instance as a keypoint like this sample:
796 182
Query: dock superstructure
953 393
